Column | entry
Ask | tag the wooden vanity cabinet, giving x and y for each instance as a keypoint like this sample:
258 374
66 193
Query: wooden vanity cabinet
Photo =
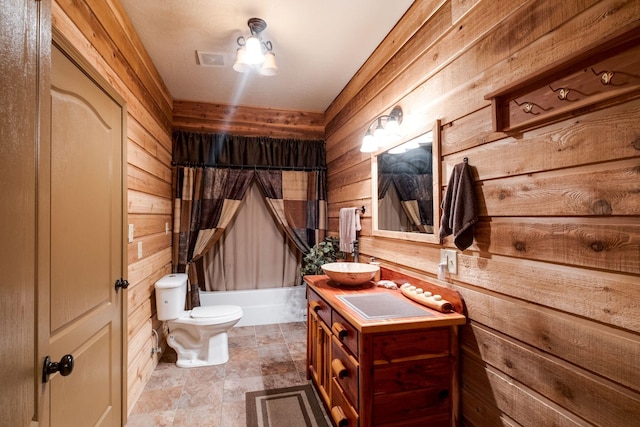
318 344
389 372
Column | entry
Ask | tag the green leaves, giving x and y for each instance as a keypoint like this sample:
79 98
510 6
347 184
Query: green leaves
321 253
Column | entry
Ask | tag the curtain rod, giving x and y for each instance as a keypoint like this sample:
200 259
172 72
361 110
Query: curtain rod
254 167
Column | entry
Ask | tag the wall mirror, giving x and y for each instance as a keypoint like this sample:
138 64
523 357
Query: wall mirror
406 189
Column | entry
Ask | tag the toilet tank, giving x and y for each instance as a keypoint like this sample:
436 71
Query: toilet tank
171 294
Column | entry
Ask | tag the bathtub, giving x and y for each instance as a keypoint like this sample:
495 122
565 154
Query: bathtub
263 306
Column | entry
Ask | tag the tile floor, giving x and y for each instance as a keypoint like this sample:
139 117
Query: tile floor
260 358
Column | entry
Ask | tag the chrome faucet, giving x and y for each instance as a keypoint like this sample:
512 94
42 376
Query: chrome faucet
355 253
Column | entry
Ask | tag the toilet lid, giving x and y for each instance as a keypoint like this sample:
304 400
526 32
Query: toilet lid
211 311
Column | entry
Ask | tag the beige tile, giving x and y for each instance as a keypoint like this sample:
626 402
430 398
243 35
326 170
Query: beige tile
235 388
155 419
270 338
301 365
238 331
282 380
294 326
202 393
277 368
166 377
302 375
242 341
297 350
243 369
202 416
295 336
266 329
243 354
260 357
278 352
206 373
157 400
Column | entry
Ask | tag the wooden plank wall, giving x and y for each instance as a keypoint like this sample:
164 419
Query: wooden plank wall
102 33
552 284
247 121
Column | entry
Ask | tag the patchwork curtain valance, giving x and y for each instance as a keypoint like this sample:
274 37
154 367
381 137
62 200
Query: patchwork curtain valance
198 149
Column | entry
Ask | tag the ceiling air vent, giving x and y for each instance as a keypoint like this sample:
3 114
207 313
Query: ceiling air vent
210 59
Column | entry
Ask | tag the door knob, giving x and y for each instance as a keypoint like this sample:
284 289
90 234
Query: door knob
64 366
121 283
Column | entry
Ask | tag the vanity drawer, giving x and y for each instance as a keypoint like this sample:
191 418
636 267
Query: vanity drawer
427 407
413 375
411 345
346 334
342 413
344 369
317 304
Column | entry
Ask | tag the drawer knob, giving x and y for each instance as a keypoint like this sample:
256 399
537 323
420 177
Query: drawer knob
315 306
339 417
339 369
340 331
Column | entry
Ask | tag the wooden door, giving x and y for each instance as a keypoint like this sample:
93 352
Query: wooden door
22 25
84 259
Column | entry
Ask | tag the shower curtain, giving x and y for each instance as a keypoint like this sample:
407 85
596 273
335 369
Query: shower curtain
256 239
212 176
410 175
391 213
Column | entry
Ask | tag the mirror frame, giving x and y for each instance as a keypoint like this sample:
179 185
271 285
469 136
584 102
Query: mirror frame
435 162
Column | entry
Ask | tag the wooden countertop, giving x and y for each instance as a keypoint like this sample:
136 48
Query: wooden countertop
321 285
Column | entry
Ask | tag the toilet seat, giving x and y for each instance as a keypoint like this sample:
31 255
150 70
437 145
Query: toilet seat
214 311
211 315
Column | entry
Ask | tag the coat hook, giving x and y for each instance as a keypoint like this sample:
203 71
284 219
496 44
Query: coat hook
527 107
605 76
563 93
466 160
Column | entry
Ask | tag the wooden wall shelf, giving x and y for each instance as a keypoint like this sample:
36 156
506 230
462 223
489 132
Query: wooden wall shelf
600 77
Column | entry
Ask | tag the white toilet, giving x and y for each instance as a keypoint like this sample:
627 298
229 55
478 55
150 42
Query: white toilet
199 336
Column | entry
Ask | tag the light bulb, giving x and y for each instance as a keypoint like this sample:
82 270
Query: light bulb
392 127
380 135
368 144
254 51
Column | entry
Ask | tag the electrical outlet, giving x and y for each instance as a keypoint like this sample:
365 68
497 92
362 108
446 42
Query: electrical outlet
139 250
166 228
450 257
130 233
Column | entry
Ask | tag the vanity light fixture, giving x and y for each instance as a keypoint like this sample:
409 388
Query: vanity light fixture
253 52
382 130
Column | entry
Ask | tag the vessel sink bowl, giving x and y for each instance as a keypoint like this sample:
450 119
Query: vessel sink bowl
350 273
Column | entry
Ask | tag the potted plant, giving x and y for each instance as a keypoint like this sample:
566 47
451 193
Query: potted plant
321 253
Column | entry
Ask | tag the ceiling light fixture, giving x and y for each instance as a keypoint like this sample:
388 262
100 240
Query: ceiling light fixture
253 52
387 129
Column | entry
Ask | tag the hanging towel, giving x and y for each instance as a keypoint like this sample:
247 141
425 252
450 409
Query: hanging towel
459 210
349 224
